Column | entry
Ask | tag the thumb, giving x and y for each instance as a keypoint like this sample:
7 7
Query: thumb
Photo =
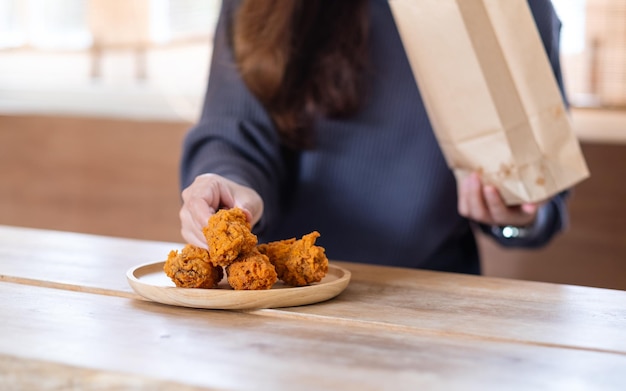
247 199
251 207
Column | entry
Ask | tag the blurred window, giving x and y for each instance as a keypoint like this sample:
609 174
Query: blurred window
58 24
189 18
11 33
65 24
572 14
593 49
44 24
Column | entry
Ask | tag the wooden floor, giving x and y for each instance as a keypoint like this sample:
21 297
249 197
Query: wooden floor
120 178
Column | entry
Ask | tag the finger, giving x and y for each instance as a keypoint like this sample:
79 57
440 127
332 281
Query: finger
225 194
245 211
200 212
463 193
251 204
476 202
205 187
195 240
503 214
527 213
530 209
498 210
190 232
188 223
247 200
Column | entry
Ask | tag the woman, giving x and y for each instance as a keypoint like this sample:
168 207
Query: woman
312 121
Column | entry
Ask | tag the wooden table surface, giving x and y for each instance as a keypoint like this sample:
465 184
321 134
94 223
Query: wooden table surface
71 321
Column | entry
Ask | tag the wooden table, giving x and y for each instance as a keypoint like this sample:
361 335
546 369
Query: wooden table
71 321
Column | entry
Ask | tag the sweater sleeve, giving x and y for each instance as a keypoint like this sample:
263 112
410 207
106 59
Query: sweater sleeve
552 217
235 137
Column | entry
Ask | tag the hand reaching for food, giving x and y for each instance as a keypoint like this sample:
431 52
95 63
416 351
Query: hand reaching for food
207 194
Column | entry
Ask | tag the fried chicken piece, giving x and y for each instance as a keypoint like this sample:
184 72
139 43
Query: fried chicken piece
228 235
277 252
297 262
191 268
251 271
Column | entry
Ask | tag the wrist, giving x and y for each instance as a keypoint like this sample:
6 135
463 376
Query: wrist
511 231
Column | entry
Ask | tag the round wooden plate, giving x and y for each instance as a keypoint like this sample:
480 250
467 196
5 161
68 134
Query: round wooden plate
149 281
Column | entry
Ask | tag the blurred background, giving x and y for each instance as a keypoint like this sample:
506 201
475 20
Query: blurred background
96 96
141 59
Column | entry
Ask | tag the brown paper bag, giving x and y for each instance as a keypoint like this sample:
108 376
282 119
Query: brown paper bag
491 95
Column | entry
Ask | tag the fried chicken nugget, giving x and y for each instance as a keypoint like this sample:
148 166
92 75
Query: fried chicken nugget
251 271
228 235
297 262
191 268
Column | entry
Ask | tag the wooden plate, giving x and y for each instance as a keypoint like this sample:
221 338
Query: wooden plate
149 281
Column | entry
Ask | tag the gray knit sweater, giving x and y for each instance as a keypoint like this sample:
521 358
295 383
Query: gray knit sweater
376 187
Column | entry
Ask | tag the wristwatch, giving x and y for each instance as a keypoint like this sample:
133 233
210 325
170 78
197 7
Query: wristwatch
511 231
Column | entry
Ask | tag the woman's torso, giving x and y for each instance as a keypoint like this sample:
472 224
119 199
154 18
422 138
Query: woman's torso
377 186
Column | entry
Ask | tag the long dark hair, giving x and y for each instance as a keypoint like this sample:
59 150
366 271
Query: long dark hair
303 59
